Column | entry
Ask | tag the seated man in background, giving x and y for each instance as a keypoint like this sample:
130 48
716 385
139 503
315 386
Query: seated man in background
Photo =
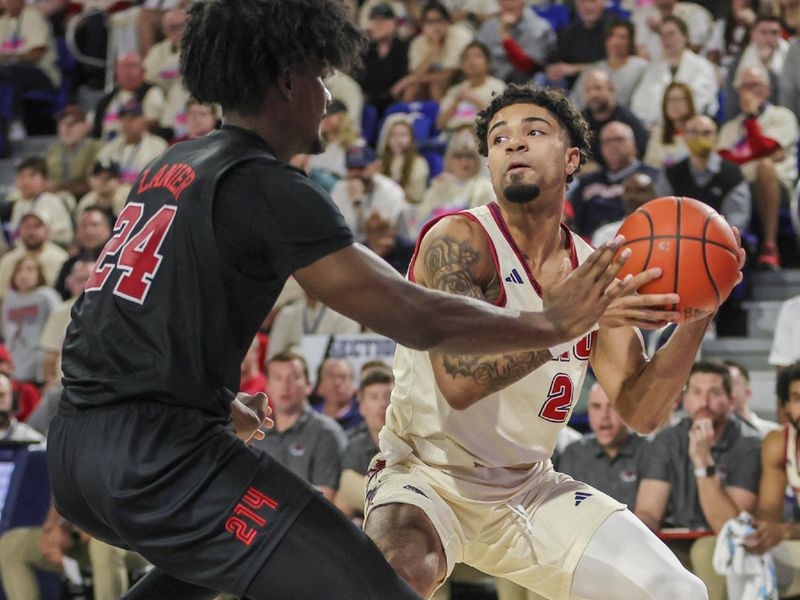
25 550
776 531
335 395
108 193
763 140
91 235
70 158
382 238
706 468
597 199
706 176
609 458
33 238
638 189
742 392
307 443
374 393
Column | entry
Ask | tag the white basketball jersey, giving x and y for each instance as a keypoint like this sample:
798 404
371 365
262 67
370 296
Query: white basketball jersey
515 427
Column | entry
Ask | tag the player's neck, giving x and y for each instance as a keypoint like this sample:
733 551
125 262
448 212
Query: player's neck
272 133
536 228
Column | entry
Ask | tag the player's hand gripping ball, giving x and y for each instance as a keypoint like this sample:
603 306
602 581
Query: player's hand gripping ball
695 247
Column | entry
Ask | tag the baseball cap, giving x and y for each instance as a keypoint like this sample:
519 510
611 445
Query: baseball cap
72 110
359 156
381 11
112 168
131 107
336 106
42 216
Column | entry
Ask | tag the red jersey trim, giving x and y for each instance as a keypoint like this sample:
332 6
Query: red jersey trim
501 300
501 224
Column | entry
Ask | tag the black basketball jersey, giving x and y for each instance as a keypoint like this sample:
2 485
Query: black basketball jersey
165 316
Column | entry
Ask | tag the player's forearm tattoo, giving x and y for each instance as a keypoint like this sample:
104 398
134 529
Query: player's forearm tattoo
497 371
448 263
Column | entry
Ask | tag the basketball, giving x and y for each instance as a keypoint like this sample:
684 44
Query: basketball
694 246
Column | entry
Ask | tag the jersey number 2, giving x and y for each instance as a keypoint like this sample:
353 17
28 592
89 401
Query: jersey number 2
136 256
559 399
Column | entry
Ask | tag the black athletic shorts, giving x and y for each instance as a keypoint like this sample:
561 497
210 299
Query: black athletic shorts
175 485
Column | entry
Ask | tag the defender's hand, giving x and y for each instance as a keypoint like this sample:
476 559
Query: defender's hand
249 414
645 311
578 301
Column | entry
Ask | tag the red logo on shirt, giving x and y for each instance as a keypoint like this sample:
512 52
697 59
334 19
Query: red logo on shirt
174 178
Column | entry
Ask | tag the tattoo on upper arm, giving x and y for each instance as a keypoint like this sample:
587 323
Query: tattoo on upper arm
448 264
496 371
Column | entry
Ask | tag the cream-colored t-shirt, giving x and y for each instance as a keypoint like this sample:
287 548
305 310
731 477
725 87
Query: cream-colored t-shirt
52 210
51 257
132 158
161 65
448 56
27 32
152 106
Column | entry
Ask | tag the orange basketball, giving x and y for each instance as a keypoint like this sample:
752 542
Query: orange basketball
694 246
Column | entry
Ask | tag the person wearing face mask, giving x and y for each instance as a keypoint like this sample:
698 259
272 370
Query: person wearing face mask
708 177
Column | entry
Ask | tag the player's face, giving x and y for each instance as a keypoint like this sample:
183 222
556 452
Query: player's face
372 404
528 153
604 420
288 386
310 99
792 406
705 397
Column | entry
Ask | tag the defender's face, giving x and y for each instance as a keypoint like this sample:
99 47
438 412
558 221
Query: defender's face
310 100
527 146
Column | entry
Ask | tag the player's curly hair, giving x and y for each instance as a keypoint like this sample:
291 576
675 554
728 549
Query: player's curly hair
554 101
233 50
785 378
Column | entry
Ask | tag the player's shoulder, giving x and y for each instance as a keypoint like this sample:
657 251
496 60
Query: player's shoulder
774 444
460 227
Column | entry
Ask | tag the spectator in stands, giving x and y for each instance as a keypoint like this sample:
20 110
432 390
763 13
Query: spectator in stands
624 68
92 233
381 236
400 160
150 21
70 158
26 395
134 147
609 458
386 59
786 343
25 550
27 59
161 63
460 185
580 43
706 469
55 328
32 196
789 11
666 144
304 441
706 176
678 63
253 379
637 190
407 16
306 316
763 140
34 239
790 79
648 21
597 199
519 41
335 394
731 32
766 49
339 133
602 108
201 119
462 101
374 393
365 191
108 193
347 89
776 531
130 84
12 430
25 310
742 392
433 56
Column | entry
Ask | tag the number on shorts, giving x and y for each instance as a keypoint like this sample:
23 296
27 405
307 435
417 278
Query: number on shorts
559 399
137 257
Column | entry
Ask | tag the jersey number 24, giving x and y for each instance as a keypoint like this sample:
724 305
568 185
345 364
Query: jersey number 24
135 255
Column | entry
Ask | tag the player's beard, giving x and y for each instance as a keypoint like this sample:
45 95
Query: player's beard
521 193
318 145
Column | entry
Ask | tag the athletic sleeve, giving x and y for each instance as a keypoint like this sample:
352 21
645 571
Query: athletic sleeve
270 220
